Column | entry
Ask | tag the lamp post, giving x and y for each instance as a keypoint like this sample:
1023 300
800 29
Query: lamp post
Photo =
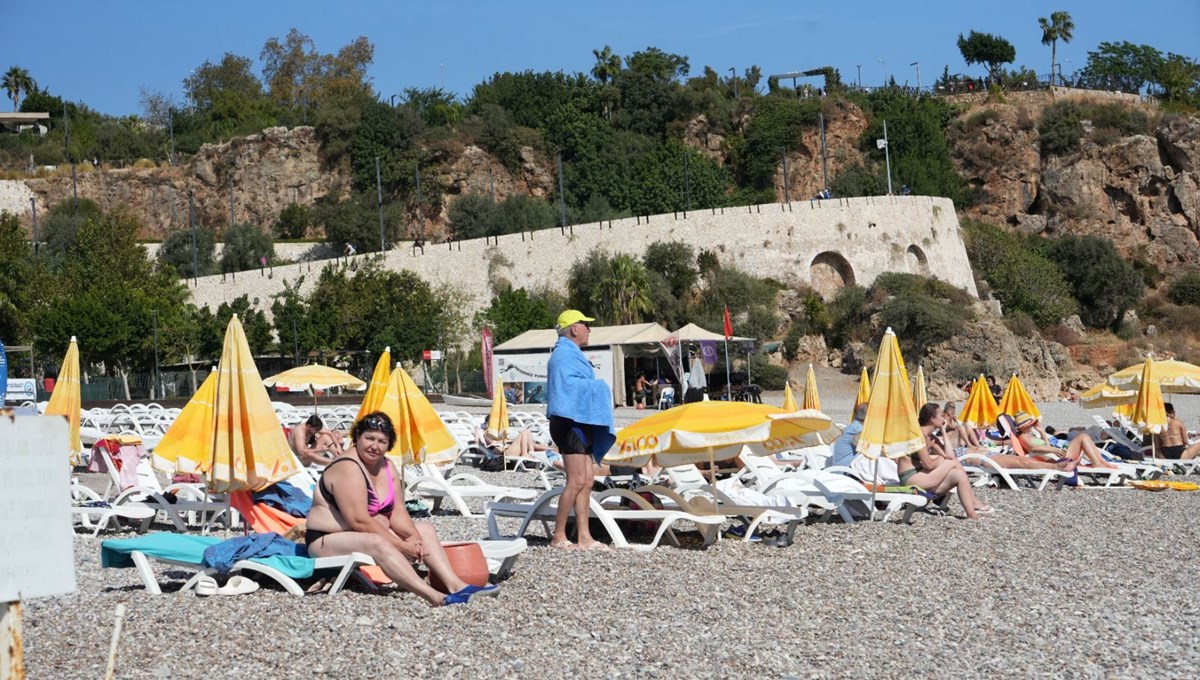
687 187
786 196
192 223
733 79
157 373
918 65
379 205
392 99
33 207
562 200
887 155
885 75
171 127
859 67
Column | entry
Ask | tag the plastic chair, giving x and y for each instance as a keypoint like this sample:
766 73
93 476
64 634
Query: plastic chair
667 397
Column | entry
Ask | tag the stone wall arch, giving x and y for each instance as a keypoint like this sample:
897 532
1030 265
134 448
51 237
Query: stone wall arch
918 263
829 272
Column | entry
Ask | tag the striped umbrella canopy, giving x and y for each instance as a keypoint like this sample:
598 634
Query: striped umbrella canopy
66 400
1174 377
1103 395
314 377
188 442
497 423
789 399
421 436
1015 398
812 398
1149 414
864 391
249 450
378 385
920 393
980 409
708 431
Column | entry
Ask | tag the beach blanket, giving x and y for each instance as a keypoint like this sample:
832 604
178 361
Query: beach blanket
574 392
285 497
189 549
222 556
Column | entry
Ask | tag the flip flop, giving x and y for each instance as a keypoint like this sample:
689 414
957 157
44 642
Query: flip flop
598 547
564 545
238 585
206 586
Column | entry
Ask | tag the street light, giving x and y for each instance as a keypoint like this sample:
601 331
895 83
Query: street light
392 99
885 76
859 67
733 79
918 65
171 127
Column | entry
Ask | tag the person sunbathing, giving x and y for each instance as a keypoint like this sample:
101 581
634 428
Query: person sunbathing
358 506
312 443
932 420
958 435
1037 443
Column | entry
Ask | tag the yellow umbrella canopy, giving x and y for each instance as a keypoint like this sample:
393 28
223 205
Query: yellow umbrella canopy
188 442
378 385
1177 377
980 409
497 424
1149 415
920 393
66 398
1015 398
249 451
1103 395
864 391
812 398
708 431
314 377
891 428
421 436
789 399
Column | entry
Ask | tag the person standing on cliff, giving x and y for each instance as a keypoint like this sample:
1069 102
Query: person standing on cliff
580 410
349 250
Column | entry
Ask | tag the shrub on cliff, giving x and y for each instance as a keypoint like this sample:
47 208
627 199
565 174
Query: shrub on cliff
1185 290
1103 283
1020 277
471 216
245 247
293 221
920 321
176 252
1061 129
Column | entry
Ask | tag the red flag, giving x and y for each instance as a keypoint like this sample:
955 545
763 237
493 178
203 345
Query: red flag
728 325
486 350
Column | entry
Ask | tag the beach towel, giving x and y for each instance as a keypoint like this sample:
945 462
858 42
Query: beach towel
222 556
189 549
574 392
285 497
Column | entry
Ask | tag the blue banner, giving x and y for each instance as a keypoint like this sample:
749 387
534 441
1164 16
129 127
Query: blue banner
708 352
3 373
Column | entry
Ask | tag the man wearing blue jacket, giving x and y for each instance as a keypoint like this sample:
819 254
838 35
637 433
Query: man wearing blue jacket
580 409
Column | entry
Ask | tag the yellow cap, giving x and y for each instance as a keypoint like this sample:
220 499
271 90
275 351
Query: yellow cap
571 316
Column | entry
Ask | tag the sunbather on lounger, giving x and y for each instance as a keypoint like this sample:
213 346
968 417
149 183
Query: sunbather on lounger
312 443
358 506
957 434
932 419
1037 443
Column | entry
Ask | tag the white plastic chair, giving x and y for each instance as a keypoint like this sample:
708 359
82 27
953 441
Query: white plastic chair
666 398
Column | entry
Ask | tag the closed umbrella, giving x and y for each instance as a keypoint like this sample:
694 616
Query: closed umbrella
920 393
812 398
497 423
314 377
1015 398
1174 377
789 399
249 451
378 385
66 399
696 378
421 436
864 391
891 428
980 409
710 431
1149 414
187 444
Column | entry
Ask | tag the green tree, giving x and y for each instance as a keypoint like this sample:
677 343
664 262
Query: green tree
212 327
176 252
356 221
471 216
675 261
1122 66
858 180
1058 27
245 247
1020 277
848 317
985 48
1179 79
920 152
389 134
298 329
434 106
1105 285
661 184
920 322
18 284
775 126
622 294
1185 290
608 64
293 221
520 212
17 80
514 311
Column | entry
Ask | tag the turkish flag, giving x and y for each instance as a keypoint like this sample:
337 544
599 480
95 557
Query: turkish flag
728 325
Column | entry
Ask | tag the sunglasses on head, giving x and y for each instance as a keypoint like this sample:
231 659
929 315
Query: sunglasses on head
377 423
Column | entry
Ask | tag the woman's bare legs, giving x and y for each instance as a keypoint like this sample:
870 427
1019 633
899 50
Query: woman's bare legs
947 476
387 556
1190 452
435 557
1083 443
1027 463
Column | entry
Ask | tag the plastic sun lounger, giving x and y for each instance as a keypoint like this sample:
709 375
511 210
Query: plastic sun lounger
841 485
713 502
1041 479
457 489
543 510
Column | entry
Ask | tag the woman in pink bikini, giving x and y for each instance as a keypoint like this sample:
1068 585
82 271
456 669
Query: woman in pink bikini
358 506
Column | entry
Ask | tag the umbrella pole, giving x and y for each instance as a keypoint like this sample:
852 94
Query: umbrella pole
874 485
712 467
728 387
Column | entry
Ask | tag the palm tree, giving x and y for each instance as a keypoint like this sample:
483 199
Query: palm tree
1058 27
608 64
623 295
16 81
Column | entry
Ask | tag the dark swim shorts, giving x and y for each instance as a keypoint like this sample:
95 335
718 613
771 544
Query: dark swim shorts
568 436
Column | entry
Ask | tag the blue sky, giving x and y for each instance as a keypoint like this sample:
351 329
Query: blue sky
102 53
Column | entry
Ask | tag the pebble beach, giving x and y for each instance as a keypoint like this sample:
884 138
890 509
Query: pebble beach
1075 583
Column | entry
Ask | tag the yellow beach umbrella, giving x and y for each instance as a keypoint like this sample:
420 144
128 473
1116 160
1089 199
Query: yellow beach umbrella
789 399
249 451
314 377
1015 398
1174 377
66 399
891 429
497 423
812 399
421 436
980 409
708 431
1103 395
1149 414
864 391
188 442
378 385
920 393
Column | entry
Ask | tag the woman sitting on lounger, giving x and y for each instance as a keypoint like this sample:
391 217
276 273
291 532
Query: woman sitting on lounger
932 472
1036 443
358 506
956 434
933 419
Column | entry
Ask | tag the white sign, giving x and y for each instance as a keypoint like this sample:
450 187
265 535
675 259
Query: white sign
21 389
435 355
532 367
38 558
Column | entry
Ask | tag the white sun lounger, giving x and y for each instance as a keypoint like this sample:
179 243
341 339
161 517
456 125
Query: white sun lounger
430 484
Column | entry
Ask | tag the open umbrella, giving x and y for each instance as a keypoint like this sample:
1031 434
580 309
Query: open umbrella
789 399
66 399
187 444
920 393
1149 414
891 429
497 423
314 377
864 391
709 431
421 436
812 398
1103 395
980 409
249 451
1015 398
378 385
1174 377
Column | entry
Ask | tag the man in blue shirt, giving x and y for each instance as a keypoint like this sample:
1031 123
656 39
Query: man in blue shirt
843 446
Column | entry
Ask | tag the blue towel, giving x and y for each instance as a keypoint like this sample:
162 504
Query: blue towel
574 392
222 556
187 548
285 497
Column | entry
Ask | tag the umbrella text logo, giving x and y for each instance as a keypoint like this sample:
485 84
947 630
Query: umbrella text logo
640 444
